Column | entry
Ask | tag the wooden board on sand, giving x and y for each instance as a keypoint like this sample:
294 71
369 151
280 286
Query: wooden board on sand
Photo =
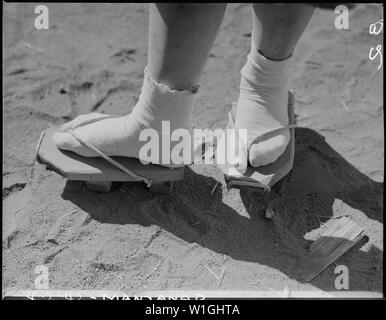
342 234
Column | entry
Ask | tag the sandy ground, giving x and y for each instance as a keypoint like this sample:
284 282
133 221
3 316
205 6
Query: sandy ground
92 58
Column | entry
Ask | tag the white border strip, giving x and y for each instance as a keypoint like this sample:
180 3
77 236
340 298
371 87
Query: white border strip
188 294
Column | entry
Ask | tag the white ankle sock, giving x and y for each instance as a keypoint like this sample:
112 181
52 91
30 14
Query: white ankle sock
119 136
262 106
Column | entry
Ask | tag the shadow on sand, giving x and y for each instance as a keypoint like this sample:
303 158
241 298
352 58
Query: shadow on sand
306 196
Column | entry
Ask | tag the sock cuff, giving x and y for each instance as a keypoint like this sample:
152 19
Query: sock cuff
163 87
158 101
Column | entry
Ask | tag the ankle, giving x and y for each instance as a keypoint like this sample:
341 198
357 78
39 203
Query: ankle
260 71
157 102
275 56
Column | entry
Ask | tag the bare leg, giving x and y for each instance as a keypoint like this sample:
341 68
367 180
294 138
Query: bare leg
180 39
277 28
263 99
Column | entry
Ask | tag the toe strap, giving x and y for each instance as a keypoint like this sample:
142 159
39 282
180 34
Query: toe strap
270 133
111 160
88 121
264 136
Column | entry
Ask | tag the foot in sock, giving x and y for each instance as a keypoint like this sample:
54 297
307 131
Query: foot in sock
263 106
119 136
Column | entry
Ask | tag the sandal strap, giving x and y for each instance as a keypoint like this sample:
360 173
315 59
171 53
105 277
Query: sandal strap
259 184
111 160
264 135
94 120
271 132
